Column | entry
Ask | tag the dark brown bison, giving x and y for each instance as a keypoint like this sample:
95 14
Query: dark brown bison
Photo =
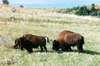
66 39
29 41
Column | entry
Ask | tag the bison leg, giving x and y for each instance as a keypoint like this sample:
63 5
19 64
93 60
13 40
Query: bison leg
45 48
29 50
66 48
69 49
41 48
63 47
21 47
80 48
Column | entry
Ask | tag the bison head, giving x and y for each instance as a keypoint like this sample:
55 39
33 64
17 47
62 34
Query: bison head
16 43
22 40
55 45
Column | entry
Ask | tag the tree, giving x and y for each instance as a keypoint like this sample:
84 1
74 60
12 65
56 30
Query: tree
80 11
5 2
21 6
93 7
98 13
68 10
85 10
94 11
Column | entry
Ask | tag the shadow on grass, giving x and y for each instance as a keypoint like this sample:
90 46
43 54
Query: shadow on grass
88 52
91 52
59 51
84 51
48 51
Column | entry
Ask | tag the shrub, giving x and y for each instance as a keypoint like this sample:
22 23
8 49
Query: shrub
85 11
93 13
89 11
58 11
75 8
79 11
98 16
93 6
98 13
21 6
68 10
5 2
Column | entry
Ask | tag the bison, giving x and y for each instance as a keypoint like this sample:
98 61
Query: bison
29 41
66 39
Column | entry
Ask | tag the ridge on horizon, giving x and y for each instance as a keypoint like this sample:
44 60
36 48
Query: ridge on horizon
96 6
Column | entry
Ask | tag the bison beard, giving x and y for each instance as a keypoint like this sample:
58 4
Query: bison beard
66 39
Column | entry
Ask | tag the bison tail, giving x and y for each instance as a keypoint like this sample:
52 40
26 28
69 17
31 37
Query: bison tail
83 40
47 39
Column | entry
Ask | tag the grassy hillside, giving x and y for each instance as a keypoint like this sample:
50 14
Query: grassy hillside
46 22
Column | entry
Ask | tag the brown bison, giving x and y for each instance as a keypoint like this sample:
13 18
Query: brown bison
29 41
66 39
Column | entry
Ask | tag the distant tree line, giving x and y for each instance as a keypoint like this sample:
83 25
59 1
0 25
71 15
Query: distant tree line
88 11
84 10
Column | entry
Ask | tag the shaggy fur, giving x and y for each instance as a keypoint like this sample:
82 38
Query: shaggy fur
66 39
29 41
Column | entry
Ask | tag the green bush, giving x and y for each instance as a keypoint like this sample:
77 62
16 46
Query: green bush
98 13
75 8
21 6
58 11
79 11
85 11
93 13
93 6
98 16
68 10
5 2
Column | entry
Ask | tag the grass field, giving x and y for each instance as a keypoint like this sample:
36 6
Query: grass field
45 22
